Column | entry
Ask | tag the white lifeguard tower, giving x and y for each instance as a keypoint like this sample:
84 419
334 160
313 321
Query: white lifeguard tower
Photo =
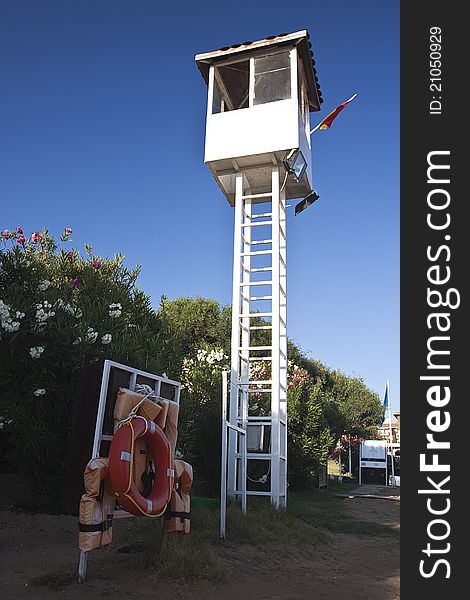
258 149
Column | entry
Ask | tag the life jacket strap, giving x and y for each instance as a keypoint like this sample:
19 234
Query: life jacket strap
170 514
103 526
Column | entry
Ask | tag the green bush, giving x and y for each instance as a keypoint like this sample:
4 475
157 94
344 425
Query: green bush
309 438
60 311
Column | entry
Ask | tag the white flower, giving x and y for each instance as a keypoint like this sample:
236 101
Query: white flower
36 351
43 311
5 319
91 335
45 283
77 341
11 326
115 310
201 355
106 339
39 392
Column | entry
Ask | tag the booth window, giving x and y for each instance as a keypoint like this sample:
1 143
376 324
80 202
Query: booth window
231 86
272 78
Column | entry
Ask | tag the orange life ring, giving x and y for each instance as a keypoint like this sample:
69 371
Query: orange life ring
120 468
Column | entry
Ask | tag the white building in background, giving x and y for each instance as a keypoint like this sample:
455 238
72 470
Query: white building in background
383 431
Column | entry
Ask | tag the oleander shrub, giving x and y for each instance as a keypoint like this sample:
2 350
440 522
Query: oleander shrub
60 311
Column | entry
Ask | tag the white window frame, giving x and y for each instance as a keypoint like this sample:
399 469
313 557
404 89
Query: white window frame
213 78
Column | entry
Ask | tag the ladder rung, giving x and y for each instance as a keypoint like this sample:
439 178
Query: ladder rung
260 298
260 242
258 419
106 438
250 196
256 358
256 224
260 269
252 493
260 455
249 348
257 327
259 391
256 253
247 283
256 382
262 215
250 315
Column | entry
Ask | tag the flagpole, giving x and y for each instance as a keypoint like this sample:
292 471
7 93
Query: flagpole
315 128
391 432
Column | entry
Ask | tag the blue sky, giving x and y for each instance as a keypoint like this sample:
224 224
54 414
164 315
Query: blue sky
102 103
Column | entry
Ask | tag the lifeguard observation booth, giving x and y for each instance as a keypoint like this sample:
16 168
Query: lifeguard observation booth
257 147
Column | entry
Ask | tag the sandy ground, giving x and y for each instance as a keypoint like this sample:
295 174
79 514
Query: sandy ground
39 559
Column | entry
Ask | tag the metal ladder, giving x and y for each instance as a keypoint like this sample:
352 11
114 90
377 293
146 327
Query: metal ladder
259 292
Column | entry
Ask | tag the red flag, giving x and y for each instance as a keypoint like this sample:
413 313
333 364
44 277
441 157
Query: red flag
328 120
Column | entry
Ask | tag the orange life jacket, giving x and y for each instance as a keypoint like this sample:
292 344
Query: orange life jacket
96 507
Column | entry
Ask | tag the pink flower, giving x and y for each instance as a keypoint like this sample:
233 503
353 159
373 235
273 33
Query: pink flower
19 230
69 255
68 230
96 264
75 283
21 239
35 237
6 234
